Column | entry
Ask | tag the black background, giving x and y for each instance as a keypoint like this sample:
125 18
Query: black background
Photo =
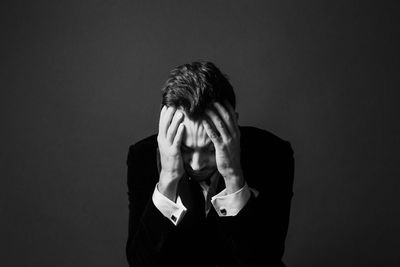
80 82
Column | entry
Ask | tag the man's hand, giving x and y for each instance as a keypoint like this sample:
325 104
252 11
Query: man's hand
223 130
169 140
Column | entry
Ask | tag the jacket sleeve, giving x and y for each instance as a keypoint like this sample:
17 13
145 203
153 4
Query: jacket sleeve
256 236
148 229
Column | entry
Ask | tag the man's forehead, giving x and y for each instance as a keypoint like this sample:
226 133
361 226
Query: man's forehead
194 135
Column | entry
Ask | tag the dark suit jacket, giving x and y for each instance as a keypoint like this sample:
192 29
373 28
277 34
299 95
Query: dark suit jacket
254 237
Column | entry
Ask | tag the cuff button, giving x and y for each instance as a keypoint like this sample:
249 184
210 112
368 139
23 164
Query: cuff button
173 218
223 211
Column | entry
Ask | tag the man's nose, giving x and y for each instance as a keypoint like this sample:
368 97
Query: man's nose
196 162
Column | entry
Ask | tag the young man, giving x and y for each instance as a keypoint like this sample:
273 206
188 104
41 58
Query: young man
205 191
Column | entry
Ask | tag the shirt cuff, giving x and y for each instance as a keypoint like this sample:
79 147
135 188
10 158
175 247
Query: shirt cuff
230 204
173 211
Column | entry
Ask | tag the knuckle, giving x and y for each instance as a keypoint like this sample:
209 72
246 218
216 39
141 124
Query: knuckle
213 135
226 117
224 165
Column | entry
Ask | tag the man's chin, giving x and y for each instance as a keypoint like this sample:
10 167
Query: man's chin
199 177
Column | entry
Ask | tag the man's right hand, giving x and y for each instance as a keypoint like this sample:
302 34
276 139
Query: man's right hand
169 140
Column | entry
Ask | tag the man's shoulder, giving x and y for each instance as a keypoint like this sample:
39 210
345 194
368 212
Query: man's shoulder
265 154
251 131
146 142
254 137
143 147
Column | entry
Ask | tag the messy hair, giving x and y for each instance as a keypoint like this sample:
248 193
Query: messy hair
194 86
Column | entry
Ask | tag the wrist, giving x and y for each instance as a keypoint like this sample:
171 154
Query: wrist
169 176
168 186
234 182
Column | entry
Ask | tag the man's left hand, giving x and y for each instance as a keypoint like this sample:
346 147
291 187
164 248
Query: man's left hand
223 130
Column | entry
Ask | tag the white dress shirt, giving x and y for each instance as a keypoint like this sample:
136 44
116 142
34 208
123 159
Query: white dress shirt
223 203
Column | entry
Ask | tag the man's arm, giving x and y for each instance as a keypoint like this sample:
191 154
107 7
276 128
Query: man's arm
256 235
264 219
148 228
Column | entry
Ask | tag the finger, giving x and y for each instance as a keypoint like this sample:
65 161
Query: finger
219 124
166 120
164 108
212 134
173 127
226 117
179 135
233 115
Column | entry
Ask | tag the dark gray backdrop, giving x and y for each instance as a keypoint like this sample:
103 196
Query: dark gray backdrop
80 82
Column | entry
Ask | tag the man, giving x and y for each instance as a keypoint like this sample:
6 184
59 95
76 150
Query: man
205 191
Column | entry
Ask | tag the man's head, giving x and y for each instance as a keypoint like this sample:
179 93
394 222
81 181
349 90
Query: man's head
192 88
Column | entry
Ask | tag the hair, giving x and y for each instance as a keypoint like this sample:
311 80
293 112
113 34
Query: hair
194 86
